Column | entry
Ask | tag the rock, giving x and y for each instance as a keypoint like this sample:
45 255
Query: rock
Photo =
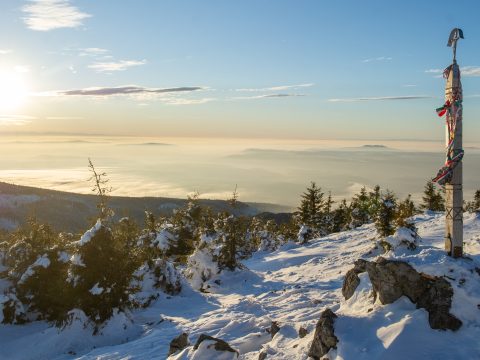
220 345
263 355
302 332
179 343
274 328
392 279
324 338
352 280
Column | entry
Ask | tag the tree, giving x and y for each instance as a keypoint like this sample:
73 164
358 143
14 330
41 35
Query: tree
406 209
102 189
432 198
386 214
474 206
374 201
311 209
341 217
360 209
100 273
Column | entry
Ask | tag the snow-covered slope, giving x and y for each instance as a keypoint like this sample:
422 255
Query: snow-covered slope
291 286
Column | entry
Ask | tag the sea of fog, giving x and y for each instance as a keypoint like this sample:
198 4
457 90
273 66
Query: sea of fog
273 171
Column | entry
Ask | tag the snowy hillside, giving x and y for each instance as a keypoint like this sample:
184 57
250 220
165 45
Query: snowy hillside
291 287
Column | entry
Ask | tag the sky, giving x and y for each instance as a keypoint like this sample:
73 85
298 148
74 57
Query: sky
302 69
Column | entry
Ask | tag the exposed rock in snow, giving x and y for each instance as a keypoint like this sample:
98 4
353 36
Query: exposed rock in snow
274 328
393 279
324 338
179 343
219 345
302 332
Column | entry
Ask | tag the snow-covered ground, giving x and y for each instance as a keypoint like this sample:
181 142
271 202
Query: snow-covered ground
291 286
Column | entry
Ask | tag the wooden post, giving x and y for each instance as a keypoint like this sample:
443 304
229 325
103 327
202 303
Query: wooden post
453 188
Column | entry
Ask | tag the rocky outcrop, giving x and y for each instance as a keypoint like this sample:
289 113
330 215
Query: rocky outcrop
274 328
179 343
392 279
324 338
218 345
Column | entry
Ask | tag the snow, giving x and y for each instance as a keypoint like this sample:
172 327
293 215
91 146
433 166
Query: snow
403 236
42 261
96 289
291 286
90 233
164 239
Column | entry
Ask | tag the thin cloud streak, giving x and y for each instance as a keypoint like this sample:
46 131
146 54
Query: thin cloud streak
467 71
277 88
92 51
15 120
266 96
126 90
121 65
381 98
5 51
380 58
45 15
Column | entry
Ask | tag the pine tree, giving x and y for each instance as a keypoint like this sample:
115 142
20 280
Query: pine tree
406 209
360 209
102 189
100 273
341 217
432 199
327 221
311 209
474 206
386 214
374 201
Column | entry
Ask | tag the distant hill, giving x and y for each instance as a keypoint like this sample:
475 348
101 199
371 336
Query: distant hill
75 212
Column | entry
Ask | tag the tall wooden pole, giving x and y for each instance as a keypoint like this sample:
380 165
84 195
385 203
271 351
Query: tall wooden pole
453 187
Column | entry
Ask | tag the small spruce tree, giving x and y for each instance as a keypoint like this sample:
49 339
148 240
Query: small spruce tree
386 214
432 198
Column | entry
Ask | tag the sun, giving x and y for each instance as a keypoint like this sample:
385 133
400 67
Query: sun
13 91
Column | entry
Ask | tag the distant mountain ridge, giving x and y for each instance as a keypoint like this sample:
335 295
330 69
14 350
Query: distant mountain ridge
75 212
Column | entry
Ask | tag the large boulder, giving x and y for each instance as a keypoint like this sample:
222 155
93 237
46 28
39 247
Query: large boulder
392 279
179 343
324 338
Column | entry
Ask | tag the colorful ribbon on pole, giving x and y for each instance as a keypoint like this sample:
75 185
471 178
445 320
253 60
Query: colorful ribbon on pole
452 109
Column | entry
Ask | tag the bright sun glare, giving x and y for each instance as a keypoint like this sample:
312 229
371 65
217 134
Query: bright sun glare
13 91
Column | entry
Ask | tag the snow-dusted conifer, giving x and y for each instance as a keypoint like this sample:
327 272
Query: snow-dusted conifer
432 198
386 214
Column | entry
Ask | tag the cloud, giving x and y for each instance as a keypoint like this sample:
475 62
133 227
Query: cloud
380 58
120 65
5 51
64 118
467 71
381 98
126 90
277 88
409 85
15 120
183 101
92 51
470 71
45 15
266 96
